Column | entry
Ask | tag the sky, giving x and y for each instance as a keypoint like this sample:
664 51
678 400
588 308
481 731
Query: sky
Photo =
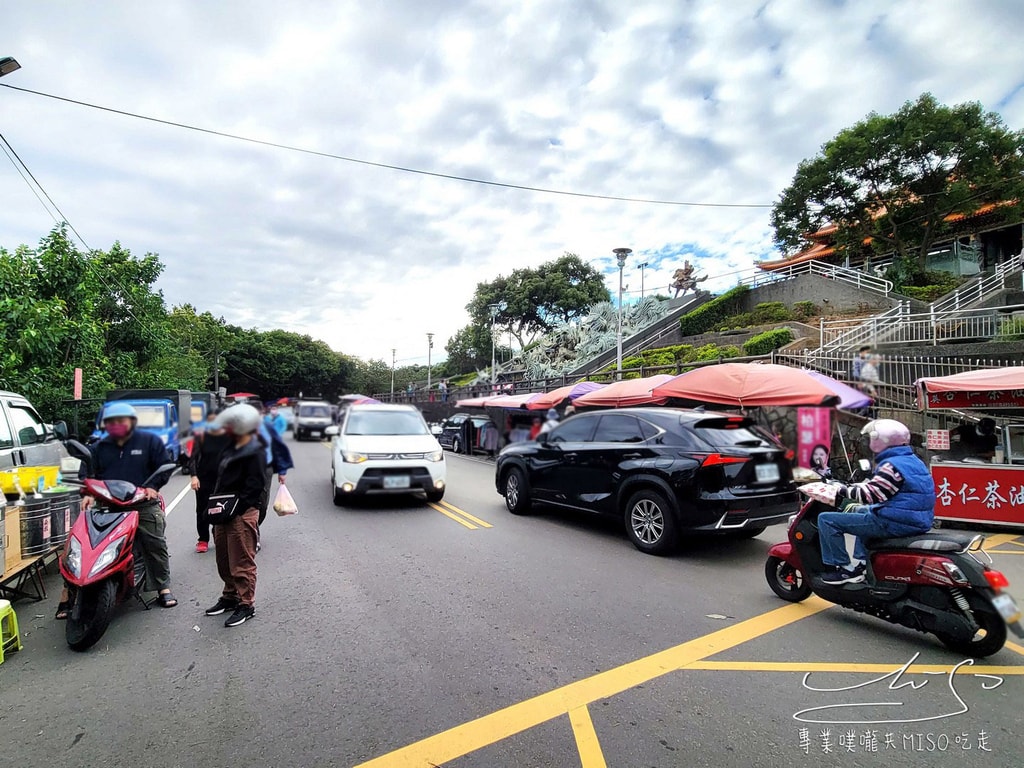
269 176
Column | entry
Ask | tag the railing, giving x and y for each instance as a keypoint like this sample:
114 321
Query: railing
977 289
841 335
854 277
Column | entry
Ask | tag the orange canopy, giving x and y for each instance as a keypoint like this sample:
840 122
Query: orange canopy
626 392
748 385
984 380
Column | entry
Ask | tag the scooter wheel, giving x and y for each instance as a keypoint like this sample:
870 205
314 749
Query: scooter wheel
90 615
786 581
991 634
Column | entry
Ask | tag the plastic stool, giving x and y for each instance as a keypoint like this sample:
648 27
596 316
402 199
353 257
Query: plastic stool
10 638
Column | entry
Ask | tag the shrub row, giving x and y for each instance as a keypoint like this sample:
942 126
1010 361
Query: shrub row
710 315
764 343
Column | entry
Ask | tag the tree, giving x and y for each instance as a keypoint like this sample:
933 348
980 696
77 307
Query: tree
893 181
537 300
469 349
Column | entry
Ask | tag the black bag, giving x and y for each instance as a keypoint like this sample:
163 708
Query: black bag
222 508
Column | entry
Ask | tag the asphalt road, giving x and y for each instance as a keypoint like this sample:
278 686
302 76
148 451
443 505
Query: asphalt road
399 633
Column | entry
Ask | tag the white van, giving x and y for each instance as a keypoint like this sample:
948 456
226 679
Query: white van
25 440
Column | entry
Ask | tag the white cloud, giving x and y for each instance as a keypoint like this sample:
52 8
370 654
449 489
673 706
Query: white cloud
694 101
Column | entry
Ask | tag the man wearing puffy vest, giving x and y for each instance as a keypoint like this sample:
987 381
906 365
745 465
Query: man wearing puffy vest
897 500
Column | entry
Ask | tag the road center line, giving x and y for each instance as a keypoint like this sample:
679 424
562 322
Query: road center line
457 519
587 742
465 514
489 729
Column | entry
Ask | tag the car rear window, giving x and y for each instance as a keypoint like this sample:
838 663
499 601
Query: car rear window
732 432
315 411
385 423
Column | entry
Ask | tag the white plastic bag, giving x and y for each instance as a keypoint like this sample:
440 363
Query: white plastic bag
284 504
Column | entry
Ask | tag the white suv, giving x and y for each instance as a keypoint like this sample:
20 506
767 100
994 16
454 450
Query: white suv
385 449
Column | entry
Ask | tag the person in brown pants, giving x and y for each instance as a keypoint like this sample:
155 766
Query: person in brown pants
243 467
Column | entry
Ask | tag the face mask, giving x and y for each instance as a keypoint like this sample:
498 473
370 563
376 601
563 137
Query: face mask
117 431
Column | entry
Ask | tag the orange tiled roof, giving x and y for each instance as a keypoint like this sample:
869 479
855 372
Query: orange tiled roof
816 251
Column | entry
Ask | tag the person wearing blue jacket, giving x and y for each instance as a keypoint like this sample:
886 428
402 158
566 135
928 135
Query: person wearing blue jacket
279 461
897 500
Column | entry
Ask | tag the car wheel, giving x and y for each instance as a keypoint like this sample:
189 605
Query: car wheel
456 445
435 496
516 492
651 523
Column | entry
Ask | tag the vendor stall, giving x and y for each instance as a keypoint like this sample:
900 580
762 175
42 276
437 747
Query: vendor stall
977 480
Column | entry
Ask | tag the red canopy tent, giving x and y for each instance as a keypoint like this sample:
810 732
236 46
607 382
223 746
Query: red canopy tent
989 388
626 392
748 385
568 392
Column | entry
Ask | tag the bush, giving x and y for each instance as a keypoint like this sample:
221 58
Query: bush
770 312
804 310
764 343
714 352
713 313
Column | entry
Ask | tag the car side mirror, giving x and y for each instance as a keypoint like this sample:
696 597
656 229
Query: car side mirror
60 430
332 431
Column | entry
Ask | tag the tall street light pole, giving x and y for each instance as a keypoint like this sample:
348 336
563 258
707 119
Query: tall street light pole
393 350
430 346
642 267
620 255
495 309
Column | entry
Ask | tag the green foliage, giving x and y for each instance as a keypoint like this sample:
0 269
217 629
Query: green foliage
711 314
469 350
715 352
805 310
537 300
764 343
894 180
1011 329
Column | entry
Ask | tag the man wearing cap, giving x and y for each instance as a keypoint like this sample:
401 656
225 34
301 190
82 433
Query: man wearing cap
133 455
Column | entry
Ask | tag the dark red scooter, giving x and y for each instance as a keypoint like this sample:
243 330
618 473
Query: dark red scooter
101 564
936 582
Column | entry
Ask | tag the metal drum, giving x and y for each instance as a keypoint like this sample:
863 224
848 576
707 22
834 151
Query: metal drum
60 513
35 527
3 534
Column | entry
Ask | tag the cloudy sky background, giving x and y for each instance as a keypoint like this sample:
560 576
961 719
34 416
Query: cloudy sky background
688 102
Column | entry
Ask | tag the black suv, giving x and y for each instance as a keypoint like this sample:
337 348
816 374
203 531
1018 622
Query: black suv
451 434
662 470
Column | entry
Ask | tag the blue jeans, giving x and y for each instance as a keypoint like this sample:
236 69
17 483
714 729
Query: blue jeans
863 525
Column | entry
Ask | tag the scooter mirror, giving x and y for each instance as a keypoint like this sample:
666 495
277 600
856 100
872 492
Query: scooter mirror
160 476
79 451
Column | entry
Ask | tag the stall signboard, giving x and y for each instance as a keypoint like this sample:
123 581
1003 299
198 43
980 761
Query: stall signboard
814 436
984 493
936 439
994 398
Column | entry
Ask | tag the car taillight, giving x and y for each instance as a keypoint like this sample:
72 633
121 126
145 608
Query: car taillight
716 459
790 454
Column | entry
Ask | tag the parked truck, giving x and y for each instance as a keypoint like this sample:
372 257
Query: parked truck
167 413
203 403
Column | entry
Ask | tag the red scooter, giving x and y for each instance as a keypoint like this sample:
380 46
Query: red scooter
101 564
935 582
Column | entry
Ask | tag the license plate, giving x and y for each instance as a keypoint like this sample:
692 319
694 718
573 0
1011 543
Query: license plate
1007 608
315 432
396 481
767 473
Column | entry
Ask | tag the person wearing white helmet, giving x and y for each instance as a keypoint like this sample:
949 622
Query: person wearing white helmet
242 473
127 453
897 500
550 423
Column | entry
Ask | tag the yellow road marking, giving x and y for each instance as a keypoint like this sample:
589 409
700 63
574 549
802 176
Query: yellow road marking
999 539
465 514
796 666
457 519
489 729
1014 647
1004 552
587 742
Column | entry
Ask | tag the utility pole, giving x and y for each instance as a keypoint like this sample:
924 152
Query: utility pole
393 350
430 346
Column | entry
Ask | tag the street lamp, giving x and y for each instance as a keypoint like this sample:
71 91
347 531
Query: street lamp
495 308
642 267
620 255
393 350
430 346
8 65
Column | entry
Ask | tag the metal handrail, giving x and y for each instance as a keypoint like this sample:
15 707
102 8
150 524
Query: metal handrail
979 287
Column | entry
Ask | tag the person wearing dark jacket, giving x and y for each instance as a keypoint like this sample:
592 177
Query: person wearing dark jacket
241 473
133 455
204 463
897 500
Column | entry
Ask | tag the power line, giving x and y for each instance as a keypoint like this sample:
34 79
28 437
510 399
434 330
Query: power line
388 166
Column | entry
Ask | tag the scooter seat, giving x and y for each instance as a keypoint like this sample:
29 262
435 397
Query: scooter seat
931 541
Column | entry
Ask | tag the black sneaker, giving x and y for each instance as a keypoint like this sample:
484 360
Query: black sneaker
839 576
222 604
241 615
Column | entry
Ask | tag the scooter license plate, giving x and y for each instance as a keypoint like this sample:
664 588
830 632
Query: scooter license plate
1007 608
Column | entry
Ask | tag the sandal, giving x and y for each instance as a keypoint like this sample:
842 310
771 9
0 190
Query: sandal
63 609
166 600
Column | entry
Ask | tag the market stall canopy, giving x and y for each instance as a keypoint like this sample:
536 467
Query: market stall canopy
569 392
473 402
626 392
985 388
850 399
510 401
748 385
243 395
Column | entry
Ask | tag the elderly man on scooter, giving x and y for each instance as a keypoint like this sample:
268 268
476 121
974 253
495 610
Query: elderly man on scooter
897 500
129 454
